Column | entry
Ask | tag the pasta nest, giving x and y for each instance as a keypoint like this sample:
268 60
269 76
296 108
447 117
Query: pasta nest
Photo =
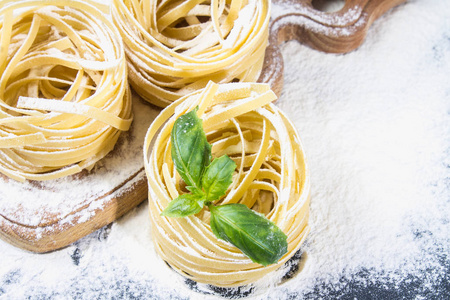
175 47
64 96
271 177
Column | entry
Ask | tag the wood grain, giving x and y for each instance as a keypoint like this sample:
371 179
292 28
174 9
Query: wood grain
332 32
337 32
60 233
42 229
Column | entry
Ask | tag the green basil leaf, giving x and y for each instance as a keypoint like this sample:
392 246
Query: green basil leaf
183 206
191 152
257 237
196 191
218 177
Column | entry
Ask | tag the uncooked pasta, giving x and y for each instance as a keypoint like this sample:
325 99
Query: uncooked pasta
64 96
271 177
175 47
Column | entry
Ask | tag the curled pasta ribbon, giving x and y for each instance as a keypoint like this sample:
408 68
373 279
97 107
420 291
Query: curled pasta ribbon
175 47
64 96
271 178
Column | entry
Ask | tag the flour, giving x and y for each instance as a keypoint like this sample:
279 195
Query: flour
379 199
324 22
375 125
240 24
59 198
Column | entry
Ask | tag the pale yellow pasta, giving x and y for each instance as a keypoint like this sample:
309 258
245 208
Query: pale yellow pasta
271 177
175 47
64 96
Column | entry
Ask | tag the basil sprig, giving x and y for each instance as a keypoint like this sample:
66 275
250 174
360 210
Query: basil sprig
257 237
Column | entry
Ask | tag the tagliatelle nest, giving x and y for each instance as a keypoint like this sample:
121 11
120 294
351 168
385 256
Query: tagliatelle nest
64 97
271 177
175 47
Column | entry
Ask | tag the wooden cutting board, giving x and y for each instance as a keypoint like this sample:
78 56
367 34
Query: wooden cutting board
45 216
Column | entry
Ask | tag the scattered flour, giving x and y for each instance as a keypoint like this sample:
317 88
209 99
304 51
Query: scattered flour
29 203
375 124
326 20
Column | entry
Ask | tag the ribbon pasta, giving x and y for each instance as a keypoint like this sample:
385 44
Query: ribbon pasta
271 177
175 47
64 96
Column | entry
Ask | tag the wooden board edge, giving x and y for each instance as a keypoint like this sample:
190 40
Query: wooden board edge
273 67
70 229
329 38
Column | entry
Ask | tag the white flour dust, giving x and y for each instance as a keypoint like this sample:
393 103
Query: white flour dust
380 116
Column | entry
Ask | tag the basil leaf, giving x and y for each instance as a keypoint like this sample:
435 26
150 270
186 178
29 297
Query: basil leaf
191 152
218 177
183 206
195 191
257 237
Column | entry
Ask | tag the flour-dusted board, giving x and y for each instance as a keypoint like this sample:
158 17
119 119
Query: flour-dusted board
45 216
